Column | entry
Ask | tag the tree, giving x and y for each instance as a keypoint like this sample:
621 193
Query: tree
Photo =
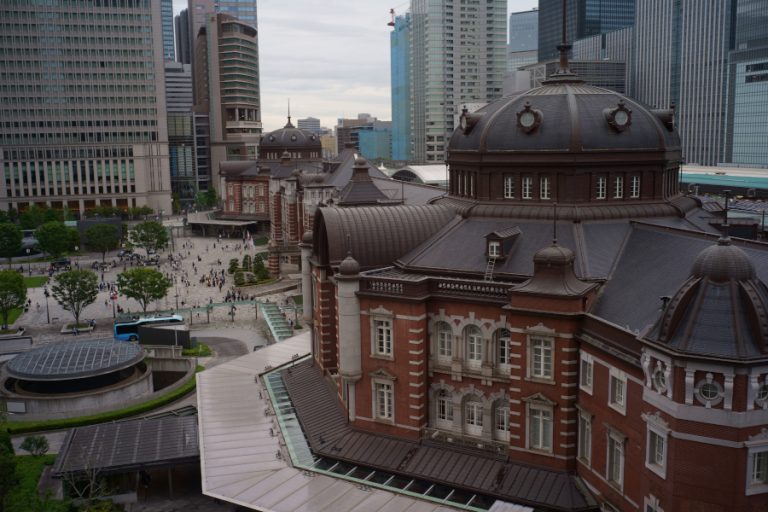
102 238
10 241
32 217
56 239
13 293
36 445
150 235
143 285
207 198
75 290
8 476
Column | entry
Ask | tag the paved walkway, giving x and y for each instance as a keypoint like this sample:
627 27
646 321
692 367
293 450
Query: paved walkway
198 258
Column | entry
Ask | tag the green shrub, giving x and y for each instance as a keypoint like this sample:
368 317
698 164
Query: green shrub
36 445
234 264
247 262
23 497
239 279
201 350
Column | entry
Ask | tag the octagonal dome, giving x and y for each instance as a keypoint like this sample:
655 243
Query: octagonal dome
569 117
290 137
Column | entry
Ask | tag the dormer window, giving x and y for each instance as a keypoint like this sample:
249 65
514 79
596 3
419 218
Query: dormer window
499 243
494 249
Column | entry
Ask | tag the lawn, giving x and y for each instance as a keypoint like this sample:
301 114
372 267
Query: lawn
23 496
35 281
13 315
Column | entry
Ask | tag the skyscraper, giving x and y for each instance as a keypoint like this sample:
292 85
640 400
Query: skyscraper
746 128
243 10
400 49
584 18
309 123
166 13
181 131
226 86
183 37
457 58
82 106
523 39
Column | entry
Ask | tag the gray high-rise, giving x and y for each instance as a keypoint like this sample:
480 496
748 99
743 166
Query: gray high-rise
82 106
457 58
183 37
523 39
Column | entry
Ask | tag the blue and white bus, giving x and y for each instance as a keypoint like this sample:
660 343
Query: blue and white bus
128 329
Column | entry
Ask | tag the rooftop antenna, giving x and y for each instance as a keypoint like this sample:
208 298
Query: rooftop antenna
554 224
289 111
392 21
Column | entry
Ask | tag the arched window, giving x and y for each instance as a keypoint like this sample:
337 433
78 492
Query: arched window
444 342
444 410
473 417
473 339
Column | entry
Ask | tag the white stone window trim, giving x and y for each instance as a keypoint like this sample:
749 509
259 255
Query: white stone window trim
377 384
705 387
540 372
652 504
472 418
443 328
527 192
509 187
617 439
494 249
601 187
584 456
503 350
617 401
446 397
634 190
501 419
473 335
545 188
586 372
546 414
618 187
757 446
656 426
384 350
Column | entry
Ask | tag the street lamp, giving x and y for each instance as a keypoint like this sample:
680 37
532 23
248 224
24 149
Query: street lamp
47 311
29 263
76 249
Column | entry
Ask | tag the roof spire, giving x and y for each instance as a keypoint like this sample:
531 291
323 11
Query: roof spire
289 124
563 72
726 227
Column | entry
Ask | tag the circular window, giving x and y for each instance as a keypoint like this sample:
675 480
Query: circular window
708 391
659 380
527 119
293 138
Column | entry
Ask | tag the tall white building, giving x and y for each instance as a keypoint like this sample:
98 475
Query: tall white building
458 57
82 105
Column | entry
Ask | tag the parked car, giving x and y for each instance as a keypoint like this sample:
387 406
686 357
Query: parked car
61 264
124 253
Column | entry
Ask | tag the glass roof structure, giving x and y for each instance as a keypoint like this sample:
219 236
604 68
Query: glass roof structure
74 360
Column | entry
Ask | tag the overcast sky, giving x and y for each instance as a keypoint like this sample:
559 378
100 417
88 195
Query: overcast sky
330 57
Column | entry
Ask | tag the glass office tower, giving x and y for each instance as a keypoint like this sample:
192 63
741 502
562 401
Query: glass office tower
400 47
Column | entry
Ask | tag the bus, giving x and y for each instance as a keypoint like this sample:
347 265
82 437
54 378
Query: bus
128 329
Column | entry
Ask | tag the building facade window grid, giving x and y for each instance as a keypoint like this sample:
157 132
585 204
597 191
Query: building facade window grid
383 400
383 337
540 364
540 427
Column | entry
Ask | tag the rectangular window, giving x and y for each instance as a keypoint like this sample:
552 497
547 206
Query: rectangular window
509 187
473 418
539 428
503 352
383 400
501 423
527 187
586 370
615 462
445 409
600 187
618 187
444 344
617 391
544 187
383 337
540 355
474 348
634 188
760 468
585 438
494 249
656 453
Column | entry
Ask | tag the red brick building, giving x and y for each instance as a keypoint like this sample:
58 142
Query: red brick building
564 307
283 189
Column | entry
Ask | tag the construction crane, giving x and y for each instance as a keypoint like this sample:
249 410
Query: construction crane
392 21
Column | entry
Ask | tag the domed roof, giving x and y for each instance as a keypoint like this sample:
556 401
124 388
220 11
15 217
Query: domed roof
349 267
554 255
722 262
567 117
721 310
290 137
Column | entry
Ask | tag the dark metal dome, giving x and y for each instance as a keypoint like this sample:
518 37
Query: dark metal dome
723 262
566 117
290 137
349 267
